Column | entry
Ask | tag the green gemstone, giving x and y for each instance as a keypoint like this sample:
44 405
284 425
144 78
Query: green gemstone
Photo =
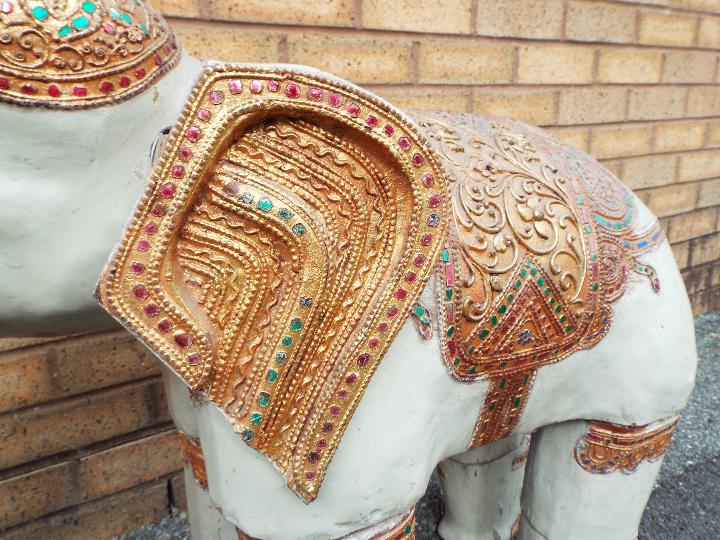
493 320
558 309
533 271
281 357
491 407
502 309
523 273
541 281
503 364
272 376
517 284
265 204
419 310
144 29
126 18
296 324
551 301
88 7
64 31
510 298
502 383
285 213
517 402
595 287
456 361
448 294
528 263
568 328
263 399
563 318
248 435
255 418
484 333
547 291
445 255
525 380
81 22
450 331
472 369
40 13
298 229
287 341
408 530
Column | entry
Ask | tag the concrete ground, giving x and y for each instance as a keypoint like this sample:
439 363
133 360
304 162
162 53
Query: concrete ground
685 504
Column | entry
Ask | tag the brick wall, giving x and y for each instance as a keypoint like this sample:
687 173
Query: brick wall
86 446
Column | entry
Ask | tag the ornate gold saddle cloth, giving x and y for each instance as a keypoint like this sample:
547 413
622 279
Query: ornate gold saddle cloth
294 221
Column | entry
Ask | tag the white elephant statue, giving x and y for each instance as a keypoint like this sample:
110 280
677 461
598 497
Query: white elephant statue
355 296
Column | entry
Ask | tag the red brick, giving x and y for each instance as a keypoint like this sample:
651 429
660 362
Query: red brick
126 465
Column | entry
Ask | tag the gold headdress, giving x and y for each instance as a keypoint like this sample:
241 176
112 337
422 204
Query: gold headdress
80 53
277 252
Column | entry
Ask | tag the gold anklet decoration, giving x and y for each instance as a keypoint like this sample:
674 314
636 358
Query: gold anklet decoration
542 240
279 248
607 447
422 319
193 458
404 530
81 53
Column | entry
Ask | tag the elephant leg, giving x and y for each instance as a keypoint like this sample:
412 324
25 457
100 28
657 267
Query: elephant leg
206 521
481 490
591 480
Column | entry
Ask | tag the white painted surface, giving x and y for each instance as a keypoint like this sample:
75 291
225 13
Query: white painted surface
70 180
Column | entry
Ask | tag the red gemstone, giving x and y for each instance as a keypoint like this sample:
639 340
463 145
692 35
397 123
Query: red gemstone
342 394
106 87
167 190
151 310
79 91
310 475
256 86
137 268
140 73
327 427
28 89
185 153
418 159
363 359
353 109
158 61
4 83
389 130
193 133
322 443
400 294
54 91
452 347
194 359
427 179
434 201
426 239
178 171
124 82
419 260
183 340
335 100
165 326
292 90
235 87
273 85
143 245
371 121
404 143
204 115
315 93
350 379
373 343
158 210
216 97
334 410
392 312
140 292
382 327
410 277
151 227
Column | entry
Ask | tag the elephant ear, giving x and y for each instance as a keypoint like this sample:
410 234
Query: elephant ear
278 249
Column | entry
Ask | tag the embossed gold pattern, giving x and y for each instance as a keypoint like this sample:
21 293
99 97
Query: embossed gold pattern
193 459
541 242
81 53
606 447
279 248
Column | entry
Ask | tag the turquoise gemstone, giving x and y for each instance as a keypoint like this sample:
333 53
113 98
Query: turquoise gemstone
40 13
445 255
255 418
81 22
263 399
248 435
64 31
265 204
296 324
88 7
144 29
298 229
247 198
285 213
272 375
450 331
126 18
287 341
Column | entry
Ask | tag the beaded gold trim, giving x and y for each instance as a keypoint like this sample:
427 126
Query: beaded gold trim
193 458
81 53
607 447
541 241
280 246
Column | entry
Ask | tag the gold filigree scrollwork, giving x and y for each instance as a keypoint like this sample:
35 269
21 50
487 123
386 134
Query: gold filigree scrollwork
81 53
607 448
